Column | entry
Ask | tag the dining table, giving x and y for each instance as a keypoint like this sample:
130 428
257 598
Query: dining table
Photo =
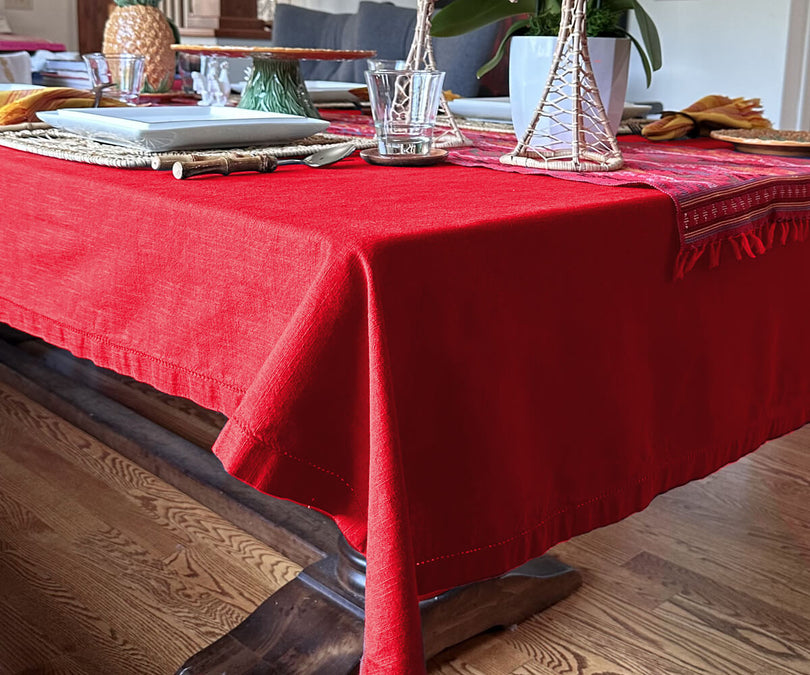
460 365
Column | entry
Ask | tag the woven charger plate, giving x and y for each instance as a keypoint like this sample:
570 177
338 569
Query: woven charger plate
281 53
767 141
60 144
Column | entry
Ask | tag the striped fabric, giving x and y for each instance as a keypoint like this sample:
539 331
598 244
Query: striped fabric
726 202
22 105
710 112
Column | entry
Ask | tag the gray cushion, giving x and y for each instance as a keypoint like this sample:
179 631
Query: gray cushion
300 27
462 55
384 28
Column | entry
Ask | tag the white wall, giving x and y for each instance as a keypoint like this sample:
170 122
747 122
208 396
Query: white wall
730 47
796 92
53 20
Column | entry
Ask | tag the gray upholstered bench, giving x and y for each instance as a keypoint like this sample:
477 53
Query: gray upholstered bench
388 30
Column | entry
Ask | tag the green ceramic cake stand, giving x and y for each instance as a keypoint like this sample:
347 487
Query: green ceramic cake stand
275 83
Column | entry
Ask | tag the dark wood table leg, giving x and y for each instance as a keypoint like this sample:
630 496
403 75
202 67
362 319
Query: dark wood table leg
463 612
314 624
310 625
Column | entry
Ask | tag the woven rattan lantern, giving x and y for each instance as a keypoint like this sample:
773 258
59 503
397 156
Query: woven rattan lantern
420 57
569 130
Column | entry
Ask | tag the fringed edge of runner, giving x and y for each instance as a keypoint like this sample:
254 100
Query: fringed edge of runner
751 243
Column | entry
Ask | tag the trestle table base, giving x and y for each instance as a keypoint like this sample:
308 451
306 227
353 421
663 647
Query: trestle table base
314 623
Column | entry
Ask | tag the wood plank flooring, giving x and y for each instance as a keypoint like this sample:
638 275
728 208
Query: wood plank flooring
106 569
713 577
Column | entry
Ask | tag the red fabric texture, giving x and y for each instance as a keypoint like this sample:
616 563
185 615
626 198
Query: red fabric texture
463 367
10 42
725 201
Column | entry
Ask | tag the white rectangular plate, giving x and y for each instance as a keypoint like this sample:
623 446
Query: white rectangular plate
322 91
325 91
162 128
486 109
498 109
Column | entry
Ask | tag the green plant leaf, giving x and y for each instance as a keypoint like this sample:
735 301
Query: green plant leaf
463 16
649 34
489 65
648 70
175 31
619 5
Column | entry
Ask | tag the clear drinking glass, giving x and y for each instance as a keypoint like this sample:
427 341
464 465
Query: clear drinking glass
404 104
387 64
120 74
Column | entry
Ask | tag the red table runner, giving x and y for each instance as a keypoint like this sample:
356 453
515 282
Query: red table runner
723 198
461 367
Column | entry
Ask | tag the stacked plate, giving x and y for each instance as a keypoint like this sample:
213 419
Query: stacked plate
498 109
162 128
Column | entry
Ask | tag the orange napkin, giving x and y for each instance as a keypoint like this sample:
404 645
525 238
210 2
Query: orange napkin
710 112
22 105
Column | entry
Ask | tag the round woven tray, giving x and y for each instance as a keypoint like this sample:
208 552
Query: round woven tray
767 141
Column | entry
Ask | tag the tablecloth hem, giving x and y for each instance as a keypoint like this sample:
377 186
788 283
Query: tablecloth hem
251 439
171 378
610 507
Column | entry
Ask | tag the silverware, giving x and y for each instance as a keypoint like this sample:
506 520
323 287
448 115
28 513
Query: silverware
98 90
228 163
24 126
166 162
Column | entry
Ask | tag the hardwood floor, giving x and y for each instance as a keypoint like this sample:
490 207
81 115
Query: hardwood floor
713 577
104 568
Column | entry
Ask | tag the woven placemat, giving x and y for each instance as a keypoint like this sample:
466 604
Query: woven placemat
64 145
627 126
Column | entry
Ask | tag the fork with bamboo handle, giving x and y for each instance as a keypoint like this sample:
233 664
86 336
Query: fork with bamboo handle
166 162
223 165
228 163
24 126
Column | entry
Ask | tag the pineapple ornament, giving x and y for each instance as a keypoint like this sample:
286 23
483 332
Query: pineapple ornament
139 27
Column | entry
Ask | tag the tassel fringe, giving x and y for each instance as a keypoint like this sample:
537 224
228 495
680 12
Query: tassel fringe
749 244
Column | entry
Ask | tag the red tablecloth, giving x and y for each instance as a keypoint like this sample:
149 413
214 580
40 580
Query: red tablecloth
727 202
462 366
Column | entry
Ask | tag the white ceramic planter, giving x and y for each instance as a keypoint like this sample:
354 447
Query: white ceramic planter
529 64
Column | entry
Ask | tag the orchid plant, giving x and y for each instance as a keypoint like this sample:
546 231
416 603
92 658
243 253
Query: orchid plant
542 17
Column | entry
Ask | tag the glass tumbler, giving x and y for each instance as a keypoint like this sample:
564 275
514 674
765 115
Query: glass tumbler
120 74
404 104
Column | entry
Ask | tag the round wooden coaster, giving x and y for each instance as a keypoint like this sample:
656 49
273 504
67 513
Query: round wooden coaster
372 156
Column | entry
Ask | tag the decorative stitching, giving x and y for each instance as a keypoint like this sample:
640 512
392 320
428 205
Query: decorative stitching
110 343
248 432
645 478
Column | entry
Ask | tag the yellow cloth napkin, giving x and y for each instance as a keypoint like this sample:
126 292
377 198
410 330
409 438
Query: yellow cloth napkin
22 105
710 112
